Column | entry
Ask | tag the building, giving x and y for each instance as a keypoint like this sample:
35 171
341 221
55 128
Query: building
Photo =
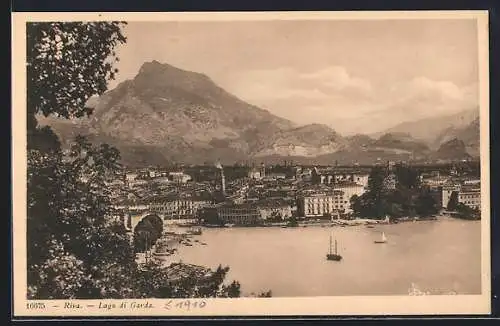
472 181
254 174
179 177
275 176
435 182
338 175
262 170
322 204
274 208
221 179
178 207
243 214
470 197
130 176
390 182
350 189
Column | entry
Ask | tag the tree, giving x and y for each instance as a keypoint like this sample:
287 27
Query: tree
453 201
147 231
68 62
152 281
292 221
275 216
77 245
466 212
71 225
426 204
408 177
371 203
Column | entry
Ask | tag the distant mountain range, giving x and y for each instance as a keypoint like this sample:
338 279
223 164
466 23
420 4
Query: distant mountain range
431 130
166 114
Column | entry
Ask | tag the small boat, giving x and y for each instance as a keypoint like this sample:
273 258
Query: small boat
333 255
382 240
370 226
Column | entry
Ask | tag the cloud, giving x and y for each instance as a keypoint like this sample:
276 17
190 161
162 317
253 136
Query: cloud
338 78
348 103
286 82
422 97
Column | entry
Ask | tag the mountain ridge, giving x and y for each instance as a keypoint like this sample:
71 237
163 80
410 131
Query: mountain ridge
168 114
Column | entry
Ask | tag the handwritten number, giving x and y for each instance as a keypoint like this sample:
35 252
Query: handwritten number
186 305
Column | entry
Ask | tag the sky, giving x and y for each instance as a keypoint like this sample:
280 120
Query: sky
356 76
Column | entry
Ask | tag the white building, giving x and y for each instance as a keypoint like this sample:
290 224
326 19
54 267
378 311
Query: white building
470 198
349 189
179 177
317 205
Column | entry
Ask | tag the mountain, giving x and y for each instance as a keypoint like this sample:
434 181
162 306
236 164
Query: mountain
307 141
469 135
451 150
363 149
401 142
429 129
166 114
169 114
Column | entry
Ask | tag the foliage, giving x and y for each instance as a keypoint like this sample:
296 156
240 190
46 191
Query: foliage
466 212
67 62
371 203
267 294
407 199
77 245
292 222
153 281
426 204
407 177
453 201
275 216
147 231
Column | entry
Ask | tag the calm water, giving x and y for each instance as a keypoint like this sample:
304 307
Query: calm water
437 256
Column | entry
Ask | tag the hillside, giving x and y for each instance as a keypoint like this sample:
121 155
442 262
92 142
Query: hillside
429 129
178 115
469 135
452 150
166 114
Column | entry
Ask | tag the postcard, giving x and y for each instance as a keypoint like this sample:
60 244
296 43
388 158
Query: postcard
250 164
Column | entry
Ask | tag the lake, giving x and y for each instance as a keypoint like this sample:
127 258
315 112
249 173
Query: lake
438 257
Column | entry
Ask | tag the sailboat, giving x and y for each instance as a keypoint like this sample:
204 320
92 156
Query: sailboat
382 240
333 255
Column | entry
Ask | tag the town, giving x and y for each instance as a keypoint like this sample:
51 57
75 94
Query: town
238 195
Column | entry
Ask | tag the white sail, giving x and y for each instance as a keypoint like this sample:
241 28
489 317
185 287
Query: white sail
384 238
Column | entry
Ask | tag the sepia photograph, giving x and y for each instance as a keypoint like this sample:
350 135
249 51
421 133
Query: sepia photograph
169 163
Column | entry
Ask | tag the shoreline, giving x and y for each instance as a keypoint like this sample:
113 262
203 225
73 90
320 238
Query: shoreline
340 222
318 223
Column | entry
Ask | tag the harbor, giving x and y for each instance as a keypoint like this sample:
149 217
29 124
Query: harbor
438 256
